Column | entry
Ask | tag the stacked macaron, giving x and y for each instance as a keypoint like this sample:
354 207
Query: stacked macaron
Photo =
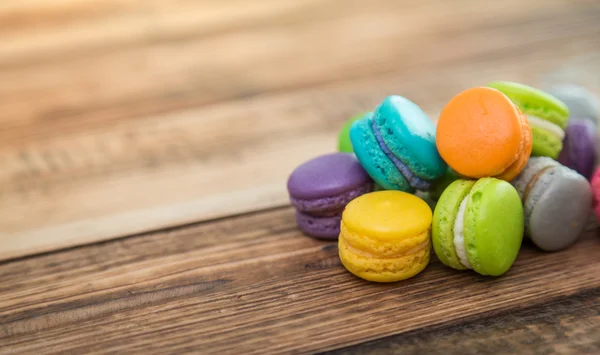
473 169
320 189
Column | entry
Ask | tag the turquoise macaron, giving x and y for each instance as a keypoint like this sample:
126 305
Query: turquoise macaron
478 225
396 146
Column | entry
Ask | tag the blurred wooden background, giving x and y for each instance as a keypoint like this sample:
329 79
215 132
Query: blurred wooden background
139 119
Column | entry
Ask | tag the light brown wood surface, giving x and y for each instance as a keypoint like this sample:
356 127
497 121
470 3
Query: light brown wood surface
136 116
144 149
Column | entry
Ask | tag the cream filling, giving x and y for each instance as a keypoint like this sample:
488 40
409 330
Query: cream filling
549 126
459 235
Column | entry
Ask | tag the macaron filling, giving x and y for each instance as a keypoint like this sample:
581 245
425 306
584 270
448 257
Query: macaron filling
547 125
459 235
413 180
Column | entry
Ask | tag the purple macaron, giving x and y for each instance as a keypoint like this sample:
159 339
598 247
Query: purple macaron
321 188
579 147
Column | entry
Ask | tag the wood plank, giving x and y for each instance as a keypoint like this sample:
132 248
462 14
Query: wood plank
255 284
182 54
93 149
567 325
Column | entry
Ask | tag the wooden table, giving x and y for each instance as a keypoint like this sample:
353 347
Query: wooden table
145 145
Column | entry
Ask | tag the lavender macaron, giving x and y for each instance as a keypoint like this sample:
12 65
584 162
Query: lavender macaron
321 188
579 147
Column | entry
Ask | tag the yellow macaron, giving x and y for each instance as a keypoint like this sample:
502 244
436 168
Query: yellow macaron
385 236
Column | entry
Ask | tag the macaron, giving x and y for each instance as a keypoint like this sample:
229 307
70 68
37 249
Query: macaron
396 146
481 133
596 192
579 147
582 103
547 116
385 236
478 225
320 188
344 143
557 202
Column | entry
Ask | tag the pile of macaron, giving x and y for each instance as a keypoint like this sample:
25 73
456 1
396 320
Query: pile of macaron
502 162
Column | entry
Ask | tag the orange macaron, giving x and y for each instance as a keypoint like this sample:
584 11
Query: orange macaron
481 133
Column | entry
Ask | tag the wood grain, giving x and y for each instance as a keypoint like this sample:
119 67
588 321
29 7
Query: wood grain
567 325
255 284
125 132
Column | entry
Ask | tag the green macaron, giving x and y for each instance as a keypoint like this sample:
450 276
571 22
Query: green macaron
344 143
478 225
547 116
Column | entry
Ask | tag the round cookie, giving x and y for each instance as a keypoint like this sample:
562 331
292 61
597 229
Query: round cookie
478 225
396 146
481 133
385 236
556 202
321 188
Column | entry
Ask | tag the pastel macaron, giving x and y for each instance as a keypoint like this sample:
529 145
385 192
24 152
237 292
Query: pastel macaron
595 185
582 103
478 225
481 133
385 236
579 147
557 202
320 188
396 146
344 143
547 116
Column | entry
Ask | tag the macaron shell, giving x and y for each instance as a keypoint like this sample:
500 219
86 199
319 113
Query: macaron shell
493 226
373 246
344 142
535 102
534 165
595 185
373 159
560 214
579 147
410 135
388 215
512 171
444 218
327 175
479 133
545 144
383 269
319 227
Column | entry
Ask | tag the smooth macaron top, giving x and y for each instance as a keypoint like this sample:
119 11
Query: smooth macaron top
481 133
387 215
410 135
534 102
492 225
327 175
